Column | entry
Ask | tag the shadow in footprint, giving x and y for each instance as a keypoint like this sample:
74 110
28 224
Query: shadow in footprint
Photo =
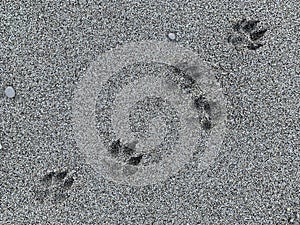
200 103
254 46
134 161
68 183
115 148
250 25
254 36
47 179
207 124
61 175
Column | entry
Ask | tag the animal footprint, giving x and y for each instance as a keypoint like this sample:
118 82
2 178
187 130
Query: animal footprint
247 34
54 186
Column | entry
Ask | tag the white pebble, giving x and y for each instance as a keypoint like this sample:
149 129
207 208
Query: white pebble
172 36
0 146
10 92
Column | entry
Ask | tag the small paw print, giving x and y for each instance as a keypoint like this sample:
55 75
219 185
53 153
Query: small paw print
247 33
54 186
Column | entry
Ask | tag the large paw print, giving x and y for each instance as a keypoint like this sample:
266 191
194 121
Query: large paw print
54 186
247 33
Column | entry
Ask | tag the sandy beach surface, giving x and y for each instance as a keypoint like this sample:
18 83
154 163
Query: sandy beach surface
149 112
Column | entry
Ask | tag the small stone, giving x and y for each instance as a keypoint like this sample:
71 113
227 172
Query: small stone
0 146
10 92
172 36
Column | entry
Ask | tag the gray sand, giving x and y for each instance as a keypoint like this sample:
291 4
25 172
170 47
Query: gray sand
51 171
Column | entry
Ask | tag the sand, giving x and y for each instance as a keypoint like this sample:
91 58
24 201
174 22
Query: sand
97 127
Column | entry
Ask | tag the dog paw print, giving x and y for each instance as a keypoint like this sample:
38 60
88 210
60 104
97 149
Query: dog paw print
247 33
54 186
125 152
